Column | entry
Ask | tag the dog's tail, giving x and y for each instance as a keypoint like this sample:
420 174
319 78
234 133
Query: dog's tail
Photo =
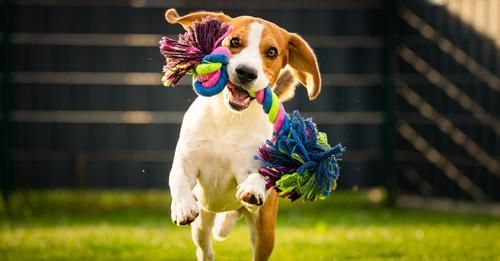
224 223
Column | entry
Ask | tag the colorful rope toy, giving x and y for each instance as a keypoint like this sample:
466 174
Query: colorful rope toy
298 161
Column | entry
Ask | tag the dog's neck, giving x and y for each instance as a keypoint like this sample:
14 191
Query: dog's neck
251 118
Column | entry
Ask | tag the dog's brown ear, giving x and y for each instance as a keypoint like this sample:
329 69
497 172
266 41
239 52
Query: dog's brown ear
173 17
304 65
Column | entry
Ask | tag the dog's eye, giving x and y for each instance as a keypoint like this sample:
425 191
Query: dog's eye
235 43
271 52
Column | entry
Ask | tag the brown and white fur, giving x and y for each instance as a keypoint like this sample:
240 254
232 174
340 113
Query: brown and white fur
214 178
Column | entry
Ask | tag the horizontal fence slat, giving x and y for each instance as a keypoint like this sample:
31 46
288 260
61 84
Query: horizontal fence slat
260 4
151 40
408 156
141 155
175 117
154 79
151 117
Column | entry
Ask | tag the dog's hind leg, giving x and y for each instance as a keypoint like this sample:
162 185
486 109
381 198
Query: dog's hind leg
224 223
200 232
262 225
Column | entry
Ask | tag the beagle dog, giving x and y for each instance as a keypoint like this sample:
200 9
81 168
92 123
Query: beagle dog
214 178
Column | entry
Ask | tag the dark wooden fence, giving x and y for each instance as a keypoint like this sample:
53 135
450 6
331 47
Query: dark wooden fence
448 98
87 108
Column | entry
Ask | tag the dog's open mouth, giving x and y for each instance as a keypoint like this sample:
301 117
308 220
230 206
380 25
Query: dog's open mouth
239 99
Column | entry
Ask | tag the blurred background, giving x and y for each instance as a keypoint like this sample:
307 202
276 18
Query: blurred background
410 87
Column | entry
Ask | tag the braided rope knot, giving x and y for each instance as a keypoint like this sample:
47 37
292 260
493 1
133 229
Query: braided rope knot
210 76
274 109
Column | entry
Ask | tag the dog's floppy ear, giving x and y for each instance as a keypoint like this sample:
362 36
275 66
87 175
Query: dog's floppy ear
173 17
304 65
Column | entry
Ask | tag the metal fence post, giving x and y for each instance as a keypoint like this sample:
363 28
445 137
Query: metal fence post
5 99
390 20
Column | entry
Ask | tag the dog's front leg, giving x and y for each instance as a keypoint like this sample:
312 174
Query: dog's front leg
182 180
251 190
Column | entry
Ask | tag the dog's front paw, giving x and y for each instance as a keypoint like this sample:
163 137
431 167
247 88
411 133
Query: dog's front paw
184 211
251 194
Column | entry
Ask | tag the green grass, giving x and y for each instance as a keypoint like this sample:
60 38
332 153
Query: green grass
119 225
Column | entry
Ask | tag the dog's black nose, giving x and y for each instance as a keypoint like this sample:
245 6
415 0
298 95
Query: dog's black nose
246 74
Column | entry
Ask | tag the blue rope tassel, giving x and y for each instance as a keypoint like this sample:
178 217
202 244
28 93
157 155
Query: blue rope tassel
299 162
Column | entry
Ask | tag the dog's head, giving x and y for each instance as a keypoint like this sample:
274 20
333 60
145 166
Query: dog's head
262 54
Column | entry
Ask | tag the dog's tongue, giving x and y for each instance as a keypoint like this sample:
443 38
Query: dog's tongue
237 93
240 95
232 86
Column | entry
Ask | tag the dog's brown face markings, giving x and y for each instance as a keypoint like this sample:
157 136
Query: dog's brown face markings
272 46
278 48
274 40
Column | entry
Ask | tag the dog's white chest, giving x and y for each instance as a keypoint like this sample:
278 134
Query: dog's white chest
221 145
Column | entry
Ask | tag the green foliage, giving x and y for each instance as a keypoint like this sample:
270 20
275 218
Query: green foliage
104 225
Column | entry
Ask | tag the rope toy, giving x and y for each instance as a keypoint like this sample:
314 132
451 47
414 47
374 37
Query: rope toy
298 161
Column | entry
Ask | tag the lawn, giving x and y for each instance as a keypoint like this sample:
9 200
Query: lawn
119 225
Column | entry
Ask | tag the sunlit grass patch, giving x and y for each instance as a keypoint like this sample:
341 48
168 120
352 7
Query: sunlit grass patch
135 225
